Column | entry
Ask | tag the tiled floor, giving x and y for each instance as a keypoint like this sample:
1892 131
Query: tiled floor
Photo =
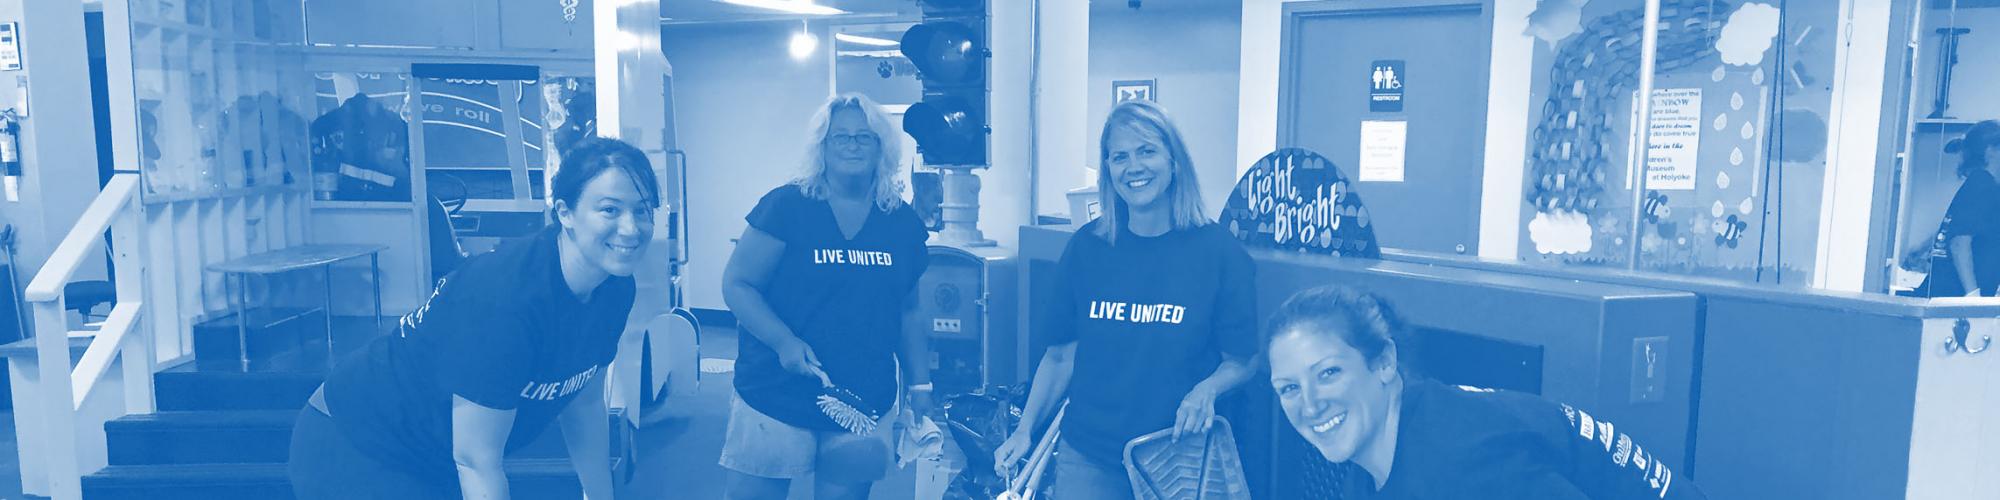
677 458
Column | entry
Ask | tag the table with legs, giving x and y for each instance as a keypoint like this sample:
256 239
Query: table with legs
293 259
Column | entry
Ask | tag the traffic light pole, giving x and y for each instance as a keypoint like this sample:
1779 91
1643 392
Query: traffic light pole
960 185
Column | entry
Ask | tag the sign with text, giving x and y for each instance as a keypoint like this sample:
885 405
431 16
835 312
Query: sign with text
1385 90
1295 199
1674 140
1382 147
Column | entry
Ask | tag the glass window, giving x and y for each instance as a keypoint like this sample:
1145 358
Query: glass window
1734 163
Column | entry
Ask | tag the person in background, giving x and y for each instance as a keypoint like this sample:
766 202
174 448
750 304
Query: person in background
1152 316
1971 226
1336 369
512 340
820 282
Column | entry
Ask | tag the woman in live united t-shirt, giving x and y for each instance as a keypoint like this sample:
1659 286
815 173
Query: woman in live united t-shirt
510 341
1335 365
820 281
1151 318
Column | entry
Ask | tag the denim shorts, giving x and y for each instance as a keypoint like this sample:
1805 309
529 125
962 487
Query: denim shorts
761 446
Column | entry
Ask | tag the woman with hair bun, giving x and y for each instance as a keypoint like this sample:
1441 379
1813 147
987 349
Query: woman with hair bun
1340 380
507 343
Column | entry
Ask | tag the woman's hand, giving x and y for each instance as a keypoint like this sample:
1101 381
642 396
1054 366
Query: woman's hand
798 357
1011 452
1196 412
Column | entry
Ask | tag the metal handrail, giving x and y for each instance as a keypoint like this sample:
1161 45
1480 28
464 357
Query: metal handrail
63 391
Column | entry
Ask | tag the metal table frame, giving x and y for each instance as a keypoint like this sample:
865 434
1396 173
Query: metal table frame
293 259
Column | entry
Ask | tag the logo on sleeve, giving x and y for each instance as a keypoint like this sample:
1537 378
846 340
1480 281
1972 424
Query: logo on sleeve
1624 453
551 391
1137 313
847 257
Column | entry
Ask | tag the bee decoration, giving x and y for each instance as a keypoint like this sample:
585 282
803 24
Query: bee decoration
1729 231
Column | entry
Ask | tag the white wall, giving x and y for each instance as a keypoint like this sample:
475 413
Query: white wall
1063 131
59 165
1192 53
1978 66
742 102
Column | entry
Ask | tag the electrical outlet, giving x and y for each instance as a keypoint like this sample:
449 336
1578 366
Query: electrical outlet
1649 369
942 325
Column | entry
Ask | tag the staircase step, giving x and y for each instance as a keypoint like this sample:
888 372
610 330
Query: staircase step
551 478
200 437
233 390
257 436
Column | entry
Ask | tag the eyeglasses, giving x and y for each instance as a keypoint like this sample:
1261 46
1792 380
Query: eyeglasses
863 139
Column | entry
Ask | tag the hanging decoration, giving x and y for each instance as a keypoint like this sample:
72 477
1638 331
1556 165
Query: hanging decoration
1570 147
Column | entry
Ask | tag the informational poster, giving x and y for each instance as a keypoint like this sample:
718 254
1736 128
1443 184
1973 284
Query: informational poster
1675 139
10 46
1385 86
1382 147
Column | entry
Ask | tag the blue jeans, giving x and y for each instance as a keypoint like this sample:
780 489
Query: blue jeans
1080 478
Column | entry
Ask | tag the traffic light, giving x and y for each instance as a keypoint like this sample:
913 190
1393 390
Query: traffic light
950 52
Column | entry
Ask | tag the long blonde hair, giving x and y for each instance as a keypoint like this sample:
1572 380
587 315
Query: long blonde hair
888 190
1151 123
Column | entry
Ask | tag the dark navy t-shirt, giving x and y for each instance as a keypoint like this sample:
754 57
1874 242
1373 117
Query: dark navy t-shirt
1150 317
1975 212
503 331
843 297
1462 442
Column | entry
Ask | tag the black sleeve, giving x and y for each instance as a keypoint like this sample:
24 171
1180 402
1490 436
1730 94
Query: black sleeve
920 239
1973 208
1608 464
485 350
1055 300
774 213
1236 301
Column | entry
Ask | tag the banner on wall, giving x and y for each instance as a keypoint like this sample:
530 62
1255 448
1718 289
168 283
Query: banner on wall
1675 139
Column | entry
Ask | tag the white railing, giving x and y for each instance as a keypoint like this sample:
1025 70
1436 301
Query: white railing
62 390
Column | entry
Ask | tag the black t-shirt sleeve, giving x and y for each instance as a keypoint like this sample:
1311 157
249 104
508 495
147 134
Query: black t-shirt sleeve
919 240
484 355
1608 464
1973 209
1055 300
776 213
1235 331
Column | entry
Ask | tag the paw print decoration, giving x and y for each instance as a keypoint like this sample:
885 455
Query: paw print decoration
1729 231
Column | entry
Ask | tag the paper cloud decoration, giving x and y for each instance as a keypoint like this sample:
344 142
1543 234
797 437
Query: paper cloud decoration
1748 35
1560 232
1554 20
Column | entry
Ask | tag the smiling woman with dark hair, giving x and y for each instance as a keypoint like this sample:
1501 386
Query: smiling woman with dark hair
1339 380
510 341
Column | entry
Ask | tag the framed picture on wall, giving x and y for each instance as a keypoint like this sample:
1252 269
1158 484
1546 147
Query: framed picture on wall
1126 90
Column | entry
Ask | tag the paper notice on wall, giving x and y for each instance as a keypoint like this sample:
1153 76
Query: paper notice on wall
1676 138
1382 147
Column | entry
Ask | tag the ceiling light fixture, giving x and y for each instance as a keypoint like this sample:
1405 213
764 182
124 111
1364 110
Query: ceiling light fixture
803 42
867 41
805 7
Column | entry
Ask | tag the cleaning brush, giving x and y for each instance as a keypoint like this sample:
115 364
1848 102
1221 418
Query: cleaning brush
847 409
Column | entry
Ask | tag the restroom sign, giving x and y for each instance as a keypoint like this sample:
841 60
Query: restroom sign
1385 91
